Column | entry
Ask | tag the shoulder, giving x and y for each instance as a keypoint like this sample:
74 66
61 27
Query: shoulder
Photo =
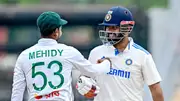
70 51
140 49
67 47
23 56
26 51
142 55
98 48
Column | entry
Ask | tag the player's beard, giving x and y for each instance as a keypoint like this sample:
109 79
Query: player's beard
114 38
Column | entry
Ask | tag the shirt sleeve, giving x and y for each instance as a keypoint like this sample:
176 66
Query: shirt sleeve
150 72
92 57
85 66
19 83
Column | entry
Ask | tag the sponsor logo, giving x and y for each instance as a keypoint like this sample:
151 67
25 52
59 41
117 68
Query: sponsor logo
120 73
50 95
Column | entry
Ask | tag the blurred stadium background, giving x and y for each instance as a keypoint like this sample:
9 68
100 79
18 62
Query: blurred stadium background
156 30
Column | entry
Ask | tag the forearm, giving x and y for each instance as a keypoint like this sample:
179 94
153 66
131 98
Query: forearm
17 95
19 85
96 69
103 67
157 93
18 90
158 96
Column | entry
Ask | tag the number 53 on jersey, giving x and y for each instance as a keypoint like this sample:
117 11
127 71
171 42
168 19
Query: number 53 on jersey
47 82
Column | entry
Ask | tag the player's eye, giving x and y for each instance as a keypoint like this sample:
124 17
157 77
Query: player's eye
110 28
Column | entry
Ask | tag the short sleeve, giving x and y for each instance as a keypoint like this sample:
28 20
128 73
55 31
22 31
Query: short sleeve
150 72
92 57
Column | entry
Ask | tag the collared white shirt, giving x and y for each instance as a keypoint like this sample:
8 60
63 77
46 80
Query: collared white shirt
131 69
45 69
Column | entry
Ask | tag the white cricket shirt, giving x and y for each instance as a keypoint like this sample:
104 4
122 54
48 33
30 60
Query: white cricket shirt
45 69
131 69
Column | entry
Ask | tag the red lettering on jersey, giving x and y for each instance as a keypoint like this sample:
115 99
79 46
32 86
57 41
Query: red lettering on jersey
56 93
52 94
38 97
48 96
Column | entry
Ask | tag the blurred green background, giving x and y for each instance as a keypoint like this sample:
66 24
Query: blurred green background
143 3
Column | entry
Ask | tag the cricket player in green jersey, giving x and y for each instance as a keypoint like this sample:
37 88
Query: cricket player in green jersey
45 68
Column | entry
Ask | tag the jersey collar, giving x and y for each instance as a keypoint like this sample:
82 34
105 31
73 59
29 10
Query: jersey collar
131 42
47 41
128 47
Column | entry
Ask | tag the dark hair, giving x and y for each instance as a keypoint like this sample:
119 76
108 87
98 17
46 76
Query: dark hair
48 32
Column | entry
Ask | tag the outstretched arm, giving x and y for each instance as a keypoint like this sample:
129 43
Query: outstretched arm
86 67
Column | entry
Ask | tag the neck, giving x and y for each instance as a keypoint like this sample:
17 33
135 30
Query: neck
121 46
49 37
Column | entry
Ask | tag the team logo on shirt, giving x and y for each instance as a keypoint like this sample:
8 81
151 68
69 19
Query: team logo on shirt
129 62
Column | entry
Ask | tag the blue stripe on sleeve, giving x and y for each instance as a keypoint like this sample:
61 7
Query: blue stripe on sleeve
140 48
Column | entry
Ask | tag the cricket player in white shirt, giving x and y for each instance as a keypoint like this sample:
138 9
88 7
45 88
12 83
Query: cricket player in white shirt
45 68
132 65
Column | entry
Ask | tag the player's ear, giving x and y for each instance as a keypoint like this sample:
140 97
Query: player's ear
58 33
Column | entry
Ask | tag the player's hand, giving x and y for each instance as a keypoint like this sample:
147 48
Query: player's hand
87 87
101 60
